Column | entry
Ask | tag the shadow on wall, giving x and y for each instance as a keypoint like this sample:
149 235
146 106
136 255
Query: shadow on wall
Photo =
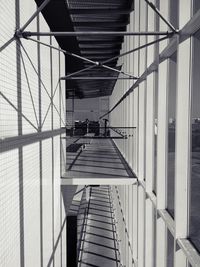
39 220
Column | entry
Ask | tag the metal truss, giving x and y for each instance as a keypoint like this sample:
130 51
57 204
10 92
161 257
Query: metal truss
29 88
96 63
43 86
21 33
124 54
18 111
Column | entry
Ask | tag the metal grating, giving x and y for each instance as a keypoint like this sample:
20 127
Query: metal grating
95 16
98 48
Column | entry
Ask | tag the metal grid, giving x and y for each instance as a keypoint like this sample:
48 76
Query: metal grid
32 224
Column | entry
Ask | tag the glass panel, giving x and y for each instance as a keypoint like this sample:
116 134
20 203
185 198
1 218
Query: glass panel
195 146
171 134
172 116
170 249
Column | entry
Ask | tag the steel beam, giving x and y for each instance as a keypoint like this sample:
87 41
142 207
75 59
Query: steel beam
120 71
93 33
97 137
112 127
97 78
161 16
82 58
126 53
7 43
190 251
67 180
40 8
138 48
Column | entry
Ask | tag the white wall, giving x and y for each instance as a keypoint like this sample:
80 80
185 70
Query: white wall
90 108
32 157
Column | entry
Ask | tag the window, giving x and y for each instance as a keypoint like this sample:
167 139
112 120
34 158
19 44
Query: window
170 249
195 146
172 75
171 134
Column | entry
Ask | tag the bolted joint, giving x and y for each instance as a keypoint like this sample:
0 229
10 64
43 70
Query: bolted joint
152 5
18 34
26 34
97 63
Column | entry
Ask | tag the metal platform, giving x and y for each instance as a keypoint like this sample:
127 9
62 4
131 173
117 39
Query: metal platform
98 162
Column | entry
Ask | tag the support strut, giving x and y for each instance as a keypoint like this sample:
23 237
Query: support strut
96 78
96 63
126 53
40 8
93 33
161 16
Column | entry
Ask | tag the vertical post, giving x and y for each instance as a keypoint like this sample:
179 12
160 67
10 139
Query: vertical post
182 160
20 132
52 145
135 221
40 143
161 230
135 92
149 148
141 139
61 163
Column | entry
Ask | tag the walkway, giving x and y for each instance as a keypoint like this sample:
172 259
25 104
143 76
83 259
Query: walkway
98 247
98 159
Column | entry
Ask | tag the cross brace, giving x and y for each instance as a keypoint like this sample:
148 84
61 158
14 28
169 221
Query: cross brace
96 63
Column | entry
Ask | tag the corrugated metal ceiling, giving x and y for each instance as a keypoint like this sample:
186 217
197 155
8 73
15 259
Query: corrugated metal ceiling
90 15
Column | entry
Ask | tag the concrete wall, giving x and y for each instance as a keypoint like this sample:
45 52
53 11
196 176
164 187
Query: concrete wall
32 155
